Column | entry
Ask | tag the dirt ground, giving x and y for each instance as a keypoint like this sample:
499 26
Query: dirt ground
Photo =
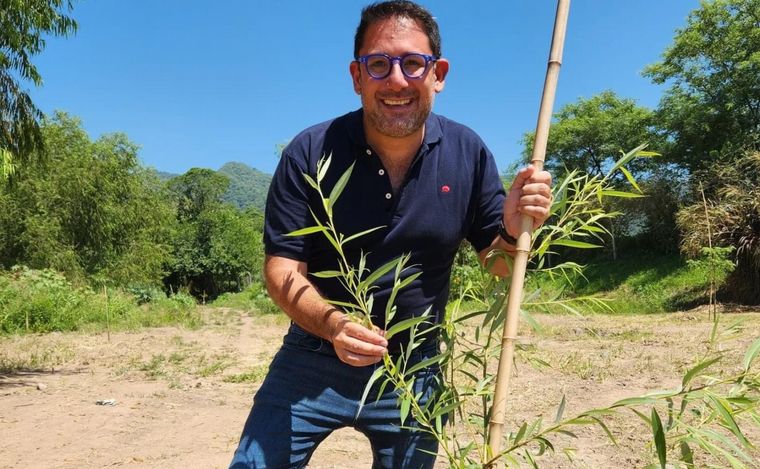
178 398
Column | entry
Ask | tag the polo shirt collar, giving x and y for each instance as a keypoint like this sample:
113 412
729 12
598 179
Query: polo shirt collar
433 132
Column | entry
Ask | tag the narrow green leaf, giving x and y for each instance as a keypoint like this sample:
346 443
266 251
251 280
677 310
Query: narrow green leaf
306 231
340 185
404 325
534 425
530 459
719 437
606 429
643 400
694 371
520 434
621 194
530 320
659 438
405 283
370 303
311 182
426 363
344 304
390 307
687 456
626 158
365 232
405 406
326 274
322 166
560 410
332 240
362 265
574 244
469 315
752 352
375 375
724 410
630 178
379 272
445 410
567 432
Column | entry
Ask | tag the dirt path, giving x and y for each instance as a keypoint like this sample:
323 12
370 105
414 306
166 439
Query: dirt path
181 396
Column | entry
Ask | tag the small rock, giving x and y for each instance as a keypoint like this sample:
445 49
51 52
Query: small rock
106 402
198 384
41 386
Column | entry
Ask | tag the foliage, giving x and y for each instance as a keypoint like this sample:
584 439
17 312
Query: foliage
471 340
648 224
248 186
44 301
216 249
588 135
734 211
196 192
90 211
358 281
459 415
712 107
254 298
639 284
23 27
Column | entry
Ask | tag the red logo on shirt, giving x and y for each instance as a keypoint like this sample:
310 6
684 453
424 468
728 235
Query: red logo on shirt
445 189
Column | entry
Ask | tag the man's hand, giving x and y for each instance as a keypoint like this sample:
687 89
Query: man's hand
356 345
530 194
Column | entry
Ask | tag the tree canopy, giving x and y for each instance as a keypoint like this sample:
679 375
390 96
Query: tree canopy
23 26
712 109
589 134
90 211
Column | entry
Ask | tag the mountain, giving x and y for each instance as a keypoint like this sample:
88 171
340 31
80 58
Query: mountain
248 186
163 176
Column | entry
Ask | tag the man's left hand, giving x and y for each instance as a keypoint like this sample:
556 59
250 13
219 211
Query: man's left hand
530 194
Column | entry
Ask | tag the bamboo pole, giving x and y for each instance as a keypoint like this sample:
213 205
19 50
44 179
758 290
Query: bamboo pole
509 335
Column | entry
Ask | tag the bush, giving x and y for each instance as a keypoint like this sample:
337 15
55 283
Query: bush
254 298
45 301
145 294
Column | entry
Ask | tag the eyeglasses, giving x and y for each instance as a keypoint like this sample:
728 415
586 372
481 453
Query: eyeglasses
412 65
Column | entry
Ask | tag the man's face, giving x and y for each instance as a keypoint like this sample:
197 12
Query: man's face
397 106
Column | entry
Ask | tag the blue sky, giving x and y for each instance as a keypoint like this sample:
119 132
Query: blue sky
198 84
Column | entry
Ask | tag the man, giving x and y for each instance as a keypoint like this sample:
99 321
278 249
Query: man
429 183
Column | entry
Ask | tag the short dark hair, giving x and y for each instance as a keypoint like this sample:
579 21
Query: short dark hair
398 9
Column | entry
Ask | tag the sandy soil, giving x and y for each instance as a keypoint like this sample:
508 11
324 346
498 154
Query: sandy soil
180 397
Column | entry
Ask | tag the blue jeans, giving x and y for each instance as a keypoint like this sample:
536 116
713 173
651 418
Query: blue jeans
309 392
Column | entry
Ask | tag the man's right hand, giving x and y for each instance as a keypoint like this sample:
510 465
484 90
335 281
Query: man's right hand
356 345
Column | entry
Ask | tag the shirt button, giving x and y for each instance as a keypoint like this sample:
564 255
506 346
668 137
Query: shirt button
381 172
388 196
369 152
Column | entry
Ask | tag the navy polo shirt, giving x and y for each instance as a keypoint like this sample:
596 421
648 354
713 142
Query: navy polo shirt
452 192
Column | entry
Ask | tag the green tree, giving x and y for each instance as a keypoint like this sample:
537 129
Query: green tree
23 27
590 134
197 191
217 248
91 210
712 109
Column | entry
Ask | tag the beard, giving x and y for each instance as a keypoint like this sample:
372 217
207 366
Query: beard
397 126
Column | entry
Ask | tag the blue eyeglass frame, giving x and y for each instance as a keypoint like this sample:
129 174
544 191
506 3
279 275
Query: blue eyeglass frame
428 60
